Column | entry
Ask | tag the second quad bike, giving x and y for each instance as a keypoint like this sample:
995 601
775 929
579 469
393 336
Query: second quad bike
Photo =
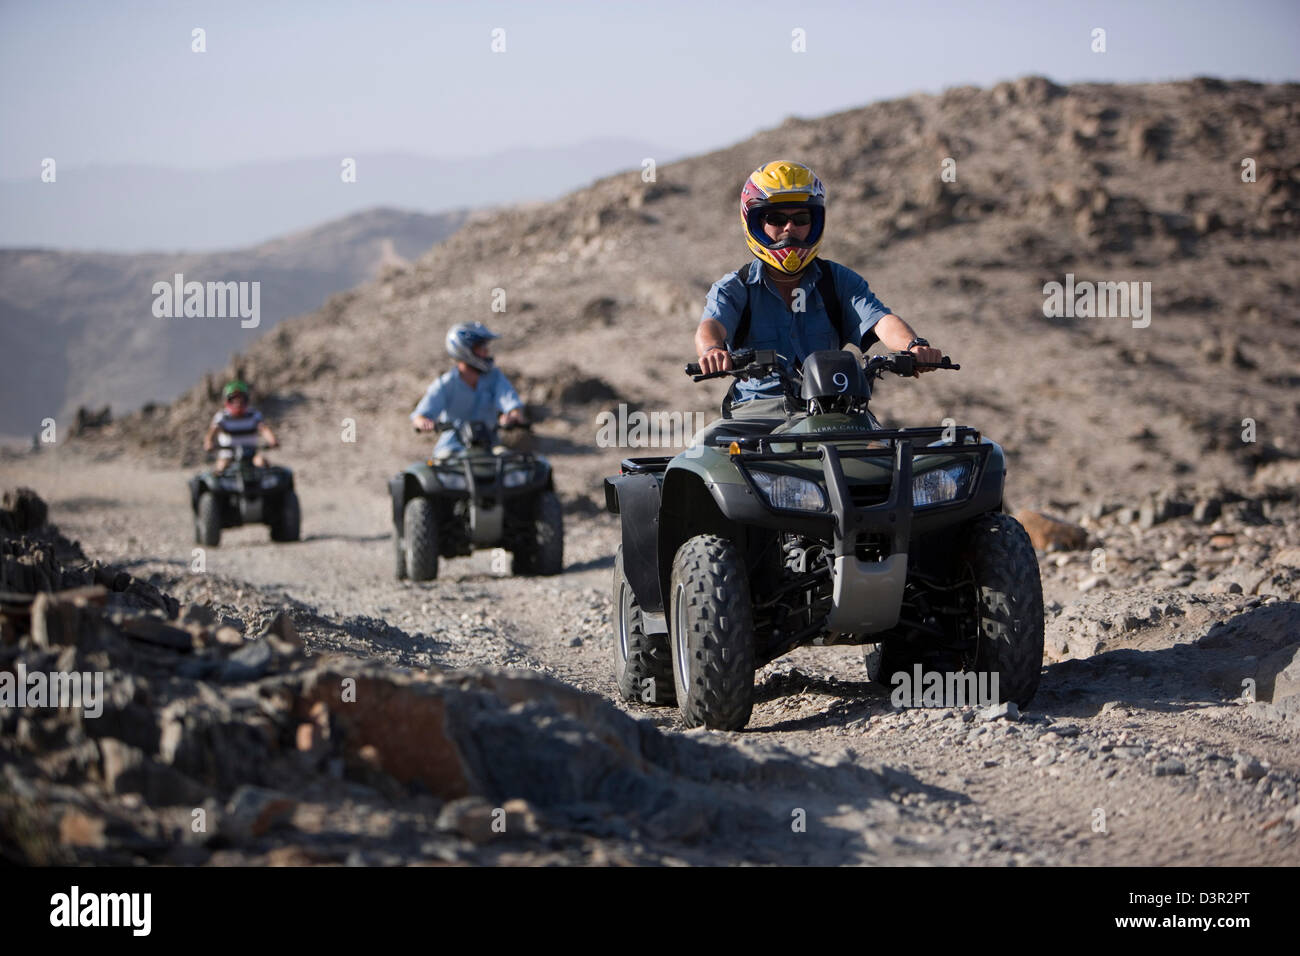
827 530
483 496
244 493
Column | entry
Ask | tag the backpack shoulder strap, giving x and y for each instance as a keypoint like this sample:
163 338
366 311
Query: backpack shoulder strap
742 327
831 299
825 288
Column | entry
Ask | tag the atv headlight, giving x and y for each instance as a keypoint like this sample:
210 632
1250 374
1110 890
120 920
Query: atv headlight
229 483
787 491
270 481
453 480
940 485
517 477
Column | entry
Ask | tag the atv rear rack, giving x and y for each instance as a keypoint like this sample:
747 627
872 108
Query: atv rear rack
655 465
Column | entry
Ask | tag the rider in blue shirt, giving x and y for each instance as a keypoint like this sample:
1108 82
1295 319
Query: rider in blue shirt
773 325
783 212
475 390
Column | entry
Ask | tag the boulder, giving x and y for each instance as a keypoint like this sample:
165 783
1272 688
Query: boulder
1052 534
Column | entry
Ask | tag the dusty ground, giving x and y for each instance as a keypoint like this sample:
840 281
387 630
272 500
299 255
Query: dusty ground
1144 736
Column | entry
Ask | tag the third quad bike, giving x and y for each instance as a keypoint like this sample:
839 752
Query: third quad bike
827 530
482 497
244 494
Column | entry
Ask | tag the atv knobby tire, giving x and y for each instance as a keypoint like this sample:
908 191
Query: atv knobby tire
420 534
712 634
1009 604
643 663
544 554
207 521
287 525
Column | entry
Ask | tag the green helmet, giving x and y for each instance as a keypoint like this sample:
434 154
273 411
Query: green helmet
235 387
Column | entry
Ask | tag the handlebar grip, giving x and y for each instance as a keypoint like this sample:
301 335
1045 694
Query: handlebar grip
945 362
694 369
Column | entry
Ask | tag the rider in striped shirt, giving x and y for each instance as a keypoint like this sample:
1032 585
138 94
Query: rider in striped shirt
237 426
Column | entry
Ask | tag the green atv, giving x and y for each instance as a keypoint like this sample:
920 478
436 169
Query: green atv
484 496
827 530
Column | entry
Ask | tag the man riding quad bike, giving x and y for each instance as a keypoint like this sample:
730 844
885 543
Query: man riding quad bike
826 530
796 519
473 493
480 496
242 487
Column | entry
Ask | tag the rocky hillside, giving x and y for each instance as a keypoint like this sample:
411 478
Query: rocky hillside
1106 183
84 326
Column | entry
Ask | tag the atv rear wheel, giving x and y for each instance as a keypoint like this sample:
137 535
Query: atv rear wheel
643 664
399 554
873 657
712 637
207 521
544 554
420 534
287 523
1009 605
884 660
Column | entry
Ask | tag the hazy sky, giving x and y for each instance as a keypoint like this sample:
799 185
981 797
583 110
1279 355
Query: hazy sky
116 82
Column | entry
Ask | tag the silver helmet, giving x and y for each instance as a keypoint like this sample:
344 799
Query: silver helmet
461 340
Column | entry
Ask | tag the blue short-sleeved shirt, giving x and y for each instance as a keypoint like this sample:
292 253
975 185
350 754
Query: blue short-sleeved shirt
772 325
450 399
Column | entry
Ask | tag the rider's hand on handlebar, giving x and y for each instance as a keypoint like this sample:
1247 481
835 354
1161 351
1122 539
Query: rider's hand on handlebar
926 353
513 417
715 360
423 424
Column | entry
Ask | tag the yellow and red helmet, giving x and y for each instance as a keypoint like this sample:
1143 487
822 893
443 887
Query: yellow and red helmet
778 183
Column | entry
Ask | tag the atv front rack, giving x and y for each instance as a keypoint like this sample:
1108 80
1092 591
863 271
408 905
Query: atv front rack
762 444
889 518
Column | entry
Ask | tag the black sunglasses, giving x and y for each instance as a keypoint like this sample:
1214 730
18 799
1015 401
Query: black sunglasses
779 219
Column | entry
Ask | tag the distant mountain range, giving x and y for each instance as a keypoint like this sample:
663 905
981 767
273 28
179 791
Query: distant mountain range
81 328
145 209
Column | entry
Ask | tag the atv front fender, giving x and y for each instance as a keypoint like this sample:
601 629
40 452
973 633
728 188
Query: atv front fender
414 481
635 498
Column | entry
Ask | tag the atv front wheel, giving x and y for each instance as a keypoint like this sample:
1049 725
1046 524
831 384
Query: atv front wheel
643 663
207 521
712 637
420 533
544 554
1009 605
287 524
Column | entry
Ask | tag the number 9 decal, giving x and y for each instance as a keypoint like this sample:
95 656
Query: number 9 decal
842 380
